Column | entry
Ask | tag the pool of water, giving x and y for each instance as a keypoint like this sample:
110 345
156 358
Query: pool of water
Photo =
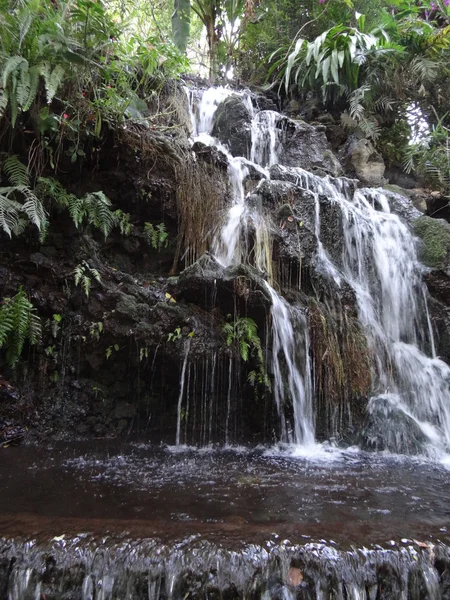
232 496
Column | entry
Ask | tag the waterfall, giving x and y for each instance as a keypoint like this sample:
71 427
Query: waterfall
265 138
378 261
180 396
299 386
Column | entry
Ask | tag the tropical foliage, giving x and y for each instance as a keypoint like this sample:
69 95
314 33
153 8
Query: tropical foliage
19 323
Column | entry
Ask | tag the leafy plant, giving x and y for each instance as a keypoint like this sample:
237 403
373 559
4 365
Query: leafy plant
123 222
332 62
156 236
83 275
175 335
96 330
109 350
243 333
18 323
19 205
93 208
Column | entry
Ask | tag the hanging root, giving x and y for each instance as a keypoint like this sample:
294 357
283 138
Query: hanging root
202 191
342 362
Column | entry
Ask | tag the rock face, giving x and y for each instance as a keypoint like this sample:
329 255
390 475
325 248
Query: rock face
389 428
435 236
115 364
233 126
367 163
306 146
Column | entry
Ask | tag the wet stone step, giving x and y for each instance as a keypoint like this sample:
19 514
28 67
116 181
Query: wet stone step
87 568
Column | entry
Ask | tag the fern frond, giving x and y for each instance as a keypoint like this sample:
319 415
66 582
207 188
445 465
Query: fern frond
77 210
18 323
33 73
11 65
34 209
23 85
78 273
9 212
6 321
99 212
16 171
51 86
86 284
4 99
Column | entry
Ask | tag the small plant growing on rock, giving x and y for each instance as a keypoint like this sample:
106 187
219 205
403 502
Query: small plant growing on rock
243 333
83 274
18 323
156 235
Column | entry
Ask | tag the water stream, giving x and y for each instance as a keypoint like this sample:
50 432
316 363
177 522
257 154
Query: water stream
114 519
380 264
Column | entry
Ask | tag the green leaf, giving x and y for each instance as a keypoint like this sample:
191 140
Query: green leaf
181 22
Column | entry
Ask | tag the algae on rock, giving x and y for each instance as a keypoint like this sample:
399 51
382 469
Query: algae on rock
435 235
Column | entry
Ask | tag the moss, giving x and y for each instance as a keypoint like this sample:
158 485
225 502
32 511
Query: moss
435 234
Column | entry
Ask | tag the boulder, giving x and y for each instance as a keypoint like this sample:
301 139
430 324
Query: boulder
306 146
435 235
389 427
367 163
232 126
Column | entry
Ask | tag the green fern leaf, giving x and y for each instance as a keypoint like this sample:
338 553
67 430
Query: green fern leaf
86 284
11 65
33 88
54 82
16 171
4 99
34 209
23 85
9 213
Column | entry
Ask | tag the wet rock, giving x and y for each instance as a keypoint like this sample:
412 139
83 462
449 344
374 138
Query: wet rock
401 204
435 235
207 282
389 428
367 162
210 155
130 309
232 126
418 197
398 177
306 146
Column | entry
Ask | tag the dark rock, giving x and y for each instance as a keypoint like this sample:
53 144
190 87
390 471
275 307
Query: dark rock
389 428
130 309
306 146
232 126
398 177
210 155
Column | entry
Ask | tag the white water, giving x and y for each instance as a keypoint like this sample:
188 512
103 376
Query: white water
378 261
181 394
265 138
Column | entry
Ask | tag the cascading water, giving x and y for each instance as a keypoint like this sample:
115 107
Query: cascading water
378 262
227 249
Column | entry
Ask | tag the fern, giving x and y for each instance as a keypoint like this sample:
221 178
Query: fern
14 215
18 323
122 221
82 276
157 237
243 333
99 212
16 171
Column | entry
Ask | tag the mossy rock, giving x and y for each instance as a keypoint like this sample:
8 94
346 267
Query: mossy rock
435 235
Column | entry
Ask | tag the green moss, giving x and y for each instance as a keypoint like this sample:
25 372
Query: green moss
435 234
